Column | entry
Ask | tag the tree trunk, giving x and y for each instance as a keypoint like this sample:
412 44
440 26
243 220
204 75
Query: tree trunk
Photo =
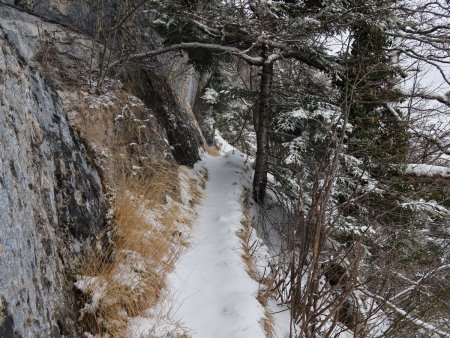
262 139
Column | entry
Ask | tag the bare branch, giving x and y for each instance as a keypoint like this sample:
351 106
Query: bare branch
439 98
253 60
404 314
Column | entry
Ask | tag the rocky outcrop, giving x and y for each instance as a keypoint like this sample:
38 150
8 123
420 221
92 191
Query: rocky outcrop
154 90
75 14
171 96
58 139
51 202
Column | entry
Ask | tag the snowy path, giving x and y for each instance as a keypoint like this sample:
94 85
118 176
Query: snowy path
214 295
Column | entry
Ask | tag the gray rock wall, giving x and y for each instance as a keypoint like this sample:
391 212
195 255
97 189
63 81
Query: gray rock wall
51 202
76 14
165 93
154 90
51 199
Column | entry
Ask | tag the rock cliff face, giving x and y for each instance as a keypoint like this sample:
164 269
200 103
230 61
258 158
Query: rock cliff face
76 14
155 91
52 131
51 202
170 95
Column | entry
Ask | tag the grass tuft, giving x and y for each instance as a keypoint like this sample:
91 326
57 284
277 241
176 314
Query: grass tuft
145 245
266 283
211 150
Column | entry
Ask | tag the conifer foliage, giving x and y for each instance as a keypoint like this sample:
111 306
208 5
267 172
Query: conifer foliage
335 127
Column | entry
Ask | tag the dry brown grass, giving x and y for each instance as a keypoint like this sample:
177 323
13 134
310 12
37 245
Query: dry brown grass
213 151
118 130
144 239
146 245
266 282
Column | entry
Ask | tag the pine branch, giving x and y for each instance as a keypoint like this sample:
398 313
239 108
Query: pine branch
253 60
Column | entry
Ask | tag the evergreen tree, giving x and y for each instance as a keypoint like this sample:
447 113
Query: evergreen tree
330 124
379 133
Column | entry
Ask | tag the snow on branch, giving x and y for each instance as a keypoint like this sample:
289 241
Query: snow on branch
253 60
427 170
404 314
211 31
433 140
423 278
440 98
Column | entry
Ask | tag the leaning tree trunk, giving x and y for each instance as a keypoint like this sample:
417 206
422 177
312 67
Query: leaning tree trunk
262 138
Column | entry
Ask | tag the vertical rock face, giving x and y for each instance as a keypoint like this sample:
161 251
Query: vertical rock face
150 85
78 14
50 203
154 90
51 199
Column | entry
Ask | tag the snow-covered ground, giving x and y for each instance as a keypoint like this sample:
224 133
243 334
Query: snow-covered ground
210 293
216 296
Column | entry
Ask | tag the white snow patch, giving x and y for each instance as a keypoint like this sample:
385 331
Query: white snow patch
185 176
428 170
211 96
210 285
158 322
282 319
224 146
93 286
210 293
425 206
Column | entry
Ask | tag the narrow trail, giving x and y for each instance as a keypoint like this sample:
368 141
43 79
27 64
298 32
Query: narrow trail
214 295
